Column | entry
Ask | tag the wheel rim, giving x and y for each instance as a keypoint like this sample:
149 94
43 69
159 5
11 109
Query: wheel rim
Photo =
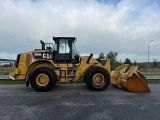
42 79
98 79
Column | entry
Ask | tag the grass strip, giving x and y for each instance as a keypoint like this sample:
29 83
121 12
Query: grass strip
12 81
154 81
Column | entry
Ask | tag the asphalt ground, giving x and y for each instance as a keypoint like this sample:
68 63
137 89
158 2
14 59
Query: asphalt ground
77 102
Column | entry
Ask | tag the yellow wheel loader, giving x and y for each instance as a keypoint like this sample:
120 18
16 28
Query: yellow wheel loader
61 63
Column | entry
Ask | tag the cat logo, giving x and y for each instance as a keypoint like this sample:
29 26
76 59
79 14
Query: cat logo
44 55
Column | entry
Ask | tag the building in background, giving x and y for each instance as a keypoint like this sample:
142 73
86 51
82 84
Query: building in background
7 62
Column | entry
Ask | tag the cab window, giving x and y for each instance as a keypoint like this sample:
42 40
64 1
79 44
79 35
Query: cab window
64 46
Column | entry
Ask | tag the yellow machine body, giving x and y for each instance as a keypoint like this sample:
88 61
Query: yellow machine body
27 64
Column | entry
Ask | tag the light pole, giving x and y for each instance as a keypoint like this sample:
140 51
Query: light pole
148 52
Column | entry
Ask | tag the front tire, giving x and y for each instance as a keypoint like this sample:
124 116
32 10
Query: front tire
43 79
97 78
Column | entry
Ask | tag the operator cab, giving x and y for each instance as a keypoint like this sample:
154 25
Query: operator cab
65 50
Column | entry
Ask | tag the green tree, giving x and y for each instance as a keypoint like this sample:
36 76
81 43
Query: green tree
127 61
101 56
135 63
113 58
155 63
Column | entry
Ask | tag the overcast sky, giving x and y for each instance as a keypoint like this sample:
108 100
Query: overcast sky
123 26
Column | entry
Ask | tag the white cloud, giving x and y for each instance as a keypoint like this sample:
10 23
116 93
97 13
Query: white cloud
125 28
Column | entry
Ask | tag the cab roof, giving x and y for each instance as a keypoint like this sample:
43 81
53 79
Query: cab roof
68 38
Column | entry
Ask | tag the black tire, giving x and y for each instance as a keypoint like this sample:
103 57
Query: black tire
50 81
102 74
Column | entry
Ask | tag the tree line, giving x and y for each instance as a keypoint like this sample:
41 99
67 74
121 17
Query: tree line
112 55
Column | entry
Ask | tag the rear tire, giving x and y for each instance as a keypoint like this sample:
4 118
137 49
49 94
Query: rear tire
43 79
97 78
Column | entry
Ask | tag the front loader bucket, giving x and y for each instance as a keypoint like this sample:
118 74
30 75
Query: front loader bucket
129 78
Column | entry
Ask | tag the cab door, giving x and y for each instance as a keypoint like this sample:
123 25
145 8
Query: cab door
63 52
